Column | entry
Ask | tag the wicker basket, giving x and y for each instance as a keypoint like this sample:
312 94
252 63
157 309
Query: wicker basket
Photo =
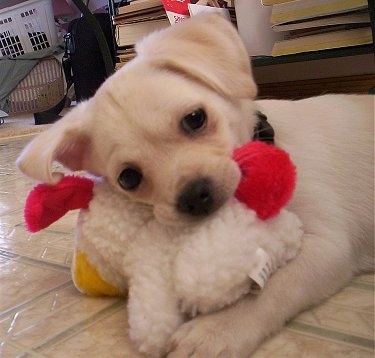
40 90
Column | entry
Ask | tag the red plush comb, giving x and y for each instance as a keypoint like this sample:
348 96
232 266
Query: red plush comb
268 178
47 203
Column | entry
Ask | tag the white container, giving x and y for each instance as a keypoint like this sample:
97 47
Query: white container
254 27
27 27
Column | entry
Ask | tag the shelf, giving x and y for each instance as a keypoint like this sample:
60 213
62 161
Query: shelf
311 56
320 55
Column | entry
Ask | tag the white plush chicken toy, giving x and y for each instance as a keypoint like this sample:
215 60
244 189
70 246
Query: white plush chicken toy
171 273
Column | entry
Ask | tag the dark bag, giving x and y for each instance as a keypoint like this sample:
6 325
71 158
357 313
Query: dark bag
88 60
84 57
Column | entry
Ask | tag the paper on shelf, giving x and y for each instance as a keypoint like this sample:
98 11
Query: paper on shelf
177 10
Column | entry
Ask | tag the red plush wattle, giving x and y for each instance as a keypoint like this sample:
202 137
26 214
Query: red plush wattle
268 178
47 203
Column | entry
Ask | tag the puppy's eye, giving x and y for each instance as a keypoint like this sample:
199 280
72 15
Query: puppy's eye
194 122
130 178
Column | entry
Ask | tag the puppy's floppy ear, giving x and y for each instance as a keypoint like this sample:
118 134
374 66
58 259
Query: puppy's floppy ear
206 48
66 141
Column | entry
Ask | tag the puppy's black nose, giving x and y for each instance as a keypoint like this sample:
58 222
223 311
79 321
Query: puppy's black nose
197 198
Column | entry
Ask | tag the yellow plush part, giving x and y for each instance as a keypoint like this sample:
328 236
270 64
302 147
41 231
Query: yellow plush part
88 280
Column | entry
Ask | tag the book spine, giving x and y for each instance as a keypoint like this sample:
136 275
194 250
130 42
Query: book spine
371 6
283 13
323 42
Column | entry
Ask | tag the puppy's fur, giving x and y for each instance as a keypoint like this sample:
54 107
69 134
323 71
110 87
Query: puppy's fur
134 121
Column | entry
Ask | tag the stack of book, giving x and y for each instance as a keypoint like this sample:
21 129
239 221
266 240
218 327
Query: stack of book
133 21
313 25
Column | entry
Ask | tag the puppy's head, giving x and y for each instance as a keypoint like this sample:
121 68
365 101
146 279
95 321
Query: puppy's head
162 129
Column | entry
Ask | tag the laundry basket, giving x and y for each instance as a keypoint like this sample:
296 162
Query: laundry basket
40 90
26 27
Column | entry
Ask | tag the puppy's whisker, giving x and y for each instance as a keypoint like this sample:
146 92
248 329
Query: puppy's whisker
260 130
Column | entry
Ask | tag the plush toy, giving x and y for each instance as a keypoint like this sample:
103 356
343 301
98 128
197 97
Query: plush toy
169 273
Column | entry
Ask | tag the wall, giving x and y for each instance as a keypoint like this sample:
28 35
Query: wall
96 4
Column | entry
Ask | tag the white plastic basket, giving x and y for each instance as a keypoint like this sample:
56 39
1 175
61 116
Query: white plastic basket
27 27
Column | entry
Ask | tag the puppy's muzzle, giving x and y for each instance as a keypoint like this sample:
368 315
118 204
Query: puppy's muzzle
197 198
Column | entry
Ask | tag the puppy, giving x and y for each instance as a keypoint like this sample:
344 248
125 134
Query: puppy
162 130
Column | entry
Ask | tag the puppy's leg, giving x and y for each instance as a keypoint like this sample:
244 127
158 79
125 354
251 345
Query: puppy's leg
153 315
152 304
321 269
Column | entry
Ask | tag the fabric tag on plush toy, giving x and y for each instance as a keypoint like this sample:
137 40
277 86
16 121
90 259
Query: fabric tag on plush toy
261 272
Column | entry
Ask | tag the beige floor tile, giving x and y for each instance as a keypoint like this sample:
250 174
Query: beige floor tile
107 338
9 350
50 315
290 344
23 281
351 311
47 245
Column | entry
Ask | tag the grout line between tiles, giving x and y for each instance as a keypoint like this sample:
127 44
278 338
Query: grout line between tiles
361 285
8 255
25 303
332 335
71 331
35 262
6 140
26 352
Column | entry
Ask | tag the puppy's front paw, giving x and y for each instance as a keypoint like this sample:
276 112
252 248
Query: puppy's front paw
204 337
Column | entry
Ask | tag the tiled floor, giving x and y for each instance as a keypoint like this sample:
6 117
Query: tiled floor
43 315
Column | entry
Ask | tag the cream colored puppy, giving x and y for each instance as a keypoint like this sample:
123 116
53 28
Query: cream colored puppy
162 130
